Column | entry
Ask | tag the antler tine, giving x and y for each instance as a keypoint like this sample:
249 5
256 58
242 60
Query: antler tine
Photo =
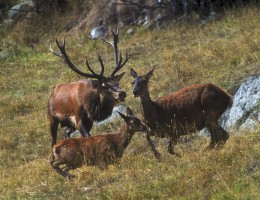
101 64
61 47
118 61
120 64
65 57
115 38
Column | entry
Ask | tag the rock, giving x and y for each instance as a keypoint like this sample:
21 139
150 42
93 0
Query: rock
244 115
113 116
5 54
97 32
148 24
130 31
20 10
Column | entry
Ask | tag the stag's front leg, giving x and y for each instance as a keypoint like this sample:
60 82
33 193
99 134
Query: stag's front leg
85 126
68 131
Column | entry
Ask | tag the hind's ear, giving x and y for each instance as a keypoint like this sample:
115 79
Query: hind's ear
150 73
133 73
129 112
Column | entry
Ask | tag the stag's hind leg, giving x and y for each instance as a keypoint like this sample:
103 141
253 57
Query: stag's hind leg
54 123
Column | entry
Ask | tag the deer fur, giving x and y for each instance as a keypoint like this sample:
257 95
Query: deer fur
187 110
99 150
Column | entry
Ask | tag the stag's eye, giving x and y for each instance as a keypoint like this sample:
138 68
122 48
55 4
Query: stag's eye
105 86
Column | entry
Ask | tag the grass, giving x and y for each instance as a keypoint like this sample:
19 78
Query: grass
222 52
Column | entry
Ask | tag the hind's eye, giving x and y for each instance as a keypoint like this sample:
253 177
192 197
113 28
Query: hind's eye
132 82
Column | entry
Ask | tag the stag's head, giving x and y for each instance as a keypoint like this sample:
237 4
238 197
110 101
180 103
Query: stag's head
140 83
107 86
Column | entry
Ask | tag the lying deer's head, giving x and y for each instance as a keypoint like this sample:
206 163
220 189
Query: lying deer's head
133 123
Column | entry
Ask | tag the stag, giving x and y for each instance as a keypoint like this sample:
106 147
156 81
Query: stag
76 105
179 113
99 150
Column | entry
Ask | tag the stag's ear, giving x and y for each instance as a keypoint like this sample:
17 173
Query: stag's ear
129 112
133 73
125 118
117 78
150 73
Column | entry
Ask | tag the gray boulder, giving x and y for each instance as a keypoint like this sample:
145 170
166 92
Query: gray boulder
97 32
20 10
5 54
244 115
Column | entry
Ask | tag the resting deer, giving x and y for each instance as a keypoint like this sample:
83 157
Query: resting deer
99 150
187 110
76 105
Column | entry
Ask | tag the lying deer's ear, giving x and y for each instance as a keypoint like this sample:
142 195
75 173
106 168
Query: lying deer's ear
133 73
129 112
150 73
123 116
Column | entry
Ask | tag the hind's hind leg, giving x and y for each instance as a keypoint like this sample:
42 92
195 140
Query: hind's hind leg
224 135
211 124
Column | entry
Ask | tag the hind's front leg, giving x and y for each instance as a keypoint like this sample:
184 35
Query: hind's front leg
151 144
171 147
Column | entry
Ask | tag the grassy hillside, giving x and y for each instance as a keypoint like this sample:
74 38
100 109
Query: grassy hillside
222 52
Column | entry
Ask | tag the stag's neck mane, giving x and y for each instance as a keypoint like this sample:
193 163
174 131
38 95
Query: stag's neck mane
101 108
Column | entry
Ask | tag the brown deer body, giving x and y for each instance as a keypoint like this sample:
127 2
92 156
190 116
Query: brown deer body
78 104
182 112
99 150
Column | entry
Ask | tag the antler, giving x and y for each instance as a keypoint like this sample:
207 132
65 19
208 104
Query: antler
118 62
65 57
